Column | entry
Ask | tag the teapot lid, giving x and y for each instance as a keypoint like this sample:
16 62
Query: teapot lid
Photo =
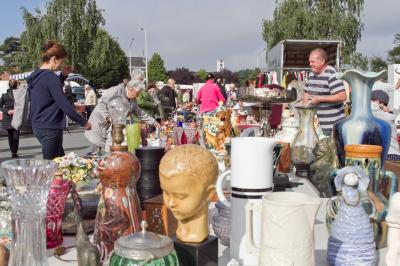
143 245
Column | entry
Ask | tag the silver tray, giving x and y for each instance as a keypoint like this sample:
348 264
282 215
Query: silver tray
288 95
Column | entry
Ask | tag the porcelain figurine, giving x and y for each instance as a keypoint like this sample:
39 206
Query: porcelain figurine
351 241
187 176
88 254
393 238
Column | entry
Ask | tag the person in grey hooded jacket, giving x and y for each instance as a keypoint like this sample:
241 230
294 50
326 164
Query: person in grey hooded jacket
100 135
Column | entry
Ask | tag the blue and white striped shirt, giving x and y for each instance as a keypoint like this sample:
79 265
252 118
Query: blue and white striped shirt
326 83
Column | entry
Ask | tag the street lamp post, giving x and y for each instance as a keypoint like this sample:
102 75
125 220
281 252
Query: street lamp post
145 54
130 58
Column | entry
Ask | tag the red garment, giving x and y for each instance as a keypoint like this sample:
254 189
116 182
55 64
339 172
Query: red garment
208 96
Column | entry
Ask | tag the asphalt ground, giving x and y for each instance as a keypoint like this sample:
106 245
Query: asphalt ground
29 147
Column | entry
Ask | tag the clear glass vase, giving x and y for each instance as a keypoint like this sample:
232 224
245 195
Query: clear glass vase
28 183
302 154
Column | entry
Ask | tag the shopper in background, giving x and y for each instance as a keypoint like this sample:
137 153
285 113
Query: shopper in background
146 101
209 95
48 102
379 107
90 99
167 97
7 107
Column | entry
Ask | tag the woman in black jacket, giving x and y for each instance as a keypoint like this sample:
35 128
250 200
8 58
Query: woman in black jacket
7 107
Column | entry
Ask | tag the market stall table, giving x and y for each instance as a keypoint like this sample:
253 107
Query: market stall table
320 233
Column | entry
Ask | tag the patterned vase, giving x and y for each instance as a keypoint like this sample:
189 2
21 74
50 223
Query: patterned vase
368 158
119 212
361 127
221 223
351 241
59 190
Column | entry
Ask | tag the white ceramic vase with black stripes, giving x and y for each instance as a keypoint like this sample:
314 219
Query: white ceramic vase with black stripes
251 177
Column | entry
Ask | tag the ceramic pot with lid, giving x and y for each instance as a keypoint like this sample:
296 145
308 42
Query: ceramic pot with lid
144 248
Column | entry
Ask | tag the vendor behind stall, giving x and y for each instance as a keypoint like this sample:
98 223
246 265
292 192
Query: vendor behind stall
325 91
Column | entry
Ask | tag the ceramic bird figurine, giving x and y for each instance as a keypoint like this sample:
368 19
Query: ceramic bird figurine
88 254
4 255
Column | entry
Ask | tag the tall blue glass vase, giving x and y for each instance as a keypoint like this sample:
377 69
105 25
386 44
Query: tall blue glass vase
361 127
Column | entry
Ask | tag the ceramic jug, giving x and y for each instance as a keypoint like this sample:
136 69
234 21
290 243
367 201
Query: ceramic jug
251 177
361 127
287 234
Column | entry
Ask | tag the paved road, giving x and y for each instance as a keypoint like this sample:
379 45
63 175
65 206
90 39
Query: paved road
29 147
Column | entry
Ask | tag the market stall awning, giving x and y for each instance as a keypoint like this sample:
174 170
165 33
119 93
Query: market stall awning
71 77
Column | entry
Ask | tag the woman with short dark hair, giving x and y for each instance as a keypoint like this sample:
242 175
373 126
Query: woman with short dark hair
48 102
7 107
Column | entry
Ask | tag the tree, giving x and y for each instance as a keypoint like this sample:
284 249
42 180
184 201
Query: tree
201 75
229 76
182 76
156 69
77 25
394 53
247 74
8 52
358 61
377 64
316 19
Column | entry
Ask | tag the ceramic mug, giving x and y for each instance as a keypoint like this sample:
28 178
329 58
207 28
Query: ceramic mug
251 177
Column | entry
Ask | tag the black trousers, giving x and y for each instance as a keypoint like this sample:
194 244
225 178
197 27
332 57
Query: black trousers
13 140
51 141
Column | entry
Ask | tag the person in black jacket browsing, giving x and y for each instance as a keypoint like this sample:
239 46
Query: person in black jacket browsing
48 102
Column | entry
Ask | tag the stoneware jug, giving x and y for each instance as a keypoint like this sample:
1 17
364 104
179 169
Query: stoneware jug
361 127
287 234
251 177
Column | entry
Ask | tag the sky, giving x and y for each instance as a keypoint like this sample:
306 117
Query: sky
195 34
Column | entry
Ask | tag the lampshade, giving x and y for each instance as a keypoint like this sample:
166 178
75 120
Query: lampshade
119 108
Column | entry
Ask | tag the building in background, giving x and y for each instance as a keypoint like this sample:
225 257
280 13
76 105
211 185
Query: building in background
136 62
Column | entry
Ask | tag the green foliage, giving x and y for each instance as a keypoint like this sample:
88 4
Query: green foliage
316 19
358 61
77 25
201 75
9 51
377 64
394 53
247 74
182 76
156 68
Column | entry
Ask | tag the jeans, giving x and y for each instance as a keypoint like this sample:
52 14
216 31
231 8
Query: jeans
51 141
13 141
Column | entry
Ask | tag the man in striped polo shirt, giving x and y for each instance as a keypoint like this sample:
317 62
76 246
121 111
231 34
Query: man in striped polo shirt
324 91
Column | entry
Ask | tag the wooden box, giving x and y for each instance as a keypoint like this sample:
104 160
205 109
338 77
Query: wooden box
160 220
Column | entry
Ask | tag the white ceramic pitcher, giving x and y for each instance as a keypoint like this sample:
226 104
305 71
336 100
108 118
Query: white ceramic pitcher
287 234
251 177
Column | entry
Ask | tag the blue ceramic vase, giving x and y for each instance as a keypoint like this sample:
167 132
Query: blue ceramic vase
361 127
